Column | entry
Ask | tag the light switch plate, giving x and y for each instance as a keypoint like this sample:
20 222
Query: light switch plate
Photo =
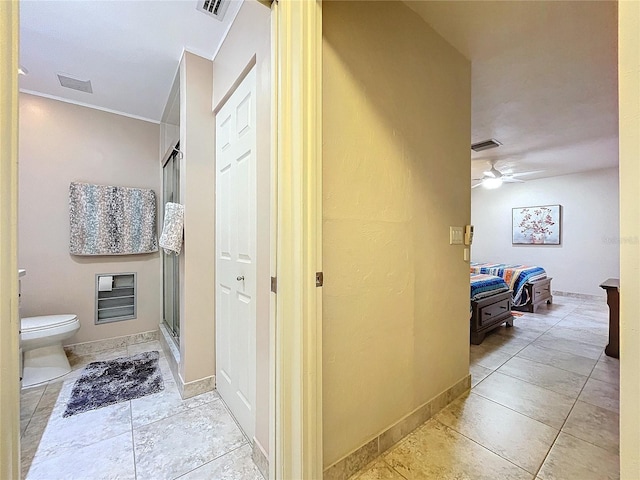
456 235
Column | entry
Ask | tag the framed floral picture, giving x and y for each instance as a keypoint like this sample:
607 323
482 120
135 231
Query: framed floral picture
536 225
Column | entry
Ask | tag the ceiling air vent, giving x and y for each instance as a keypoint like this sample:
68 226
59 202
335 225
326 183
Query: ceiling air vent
214 8
485 145
75 84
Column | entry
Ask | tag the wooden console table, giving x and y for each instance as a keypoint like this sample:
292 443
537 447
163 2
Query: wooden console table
612 286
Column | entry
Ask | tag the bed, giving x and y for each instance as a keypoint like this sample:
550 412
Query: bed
530 285
490 305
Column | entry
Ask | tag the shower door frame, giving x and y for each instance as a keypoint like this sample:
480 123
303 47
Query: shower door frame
174 327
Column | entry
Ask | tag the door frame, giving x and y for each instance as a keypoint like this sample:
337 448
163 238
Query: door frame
629 173
296 440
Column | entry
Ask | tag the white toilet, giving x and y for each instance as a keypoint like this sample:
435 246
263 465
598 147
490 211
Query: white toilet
41 342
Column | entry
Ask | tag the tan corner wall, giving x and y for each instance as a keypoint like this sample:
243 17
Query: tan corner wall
250 37
396 160
197 193
61 143
629 91
9 321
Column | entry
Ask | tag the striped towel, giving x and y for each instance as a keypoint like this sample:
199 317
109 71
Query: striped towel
111 220
171 237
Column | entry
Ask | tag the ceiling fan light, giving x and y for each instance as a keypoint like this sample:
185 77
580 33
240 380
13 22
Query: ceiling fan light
491 183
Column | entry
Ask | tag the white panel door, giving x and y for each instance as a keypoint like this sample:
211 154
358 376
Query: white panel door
236 253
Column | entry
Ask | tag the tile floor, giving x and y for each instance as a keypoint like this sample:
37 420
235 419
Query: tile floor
156 437
544 405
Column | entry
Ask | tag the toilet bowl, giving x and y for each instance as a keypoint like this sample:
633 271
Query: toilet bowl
41 342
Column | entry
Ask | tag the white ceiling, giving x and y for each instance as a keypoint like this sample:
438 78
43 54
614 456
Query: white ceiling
544 80
128 49
544 74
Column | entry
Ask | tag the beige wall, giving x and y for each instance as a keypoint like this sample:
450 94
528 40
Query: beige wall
197 182
396 102
61 143
250 37
629 81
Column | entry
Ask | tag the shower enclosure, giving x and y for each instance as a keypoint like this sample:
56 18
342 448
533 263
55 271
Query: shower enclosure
170 262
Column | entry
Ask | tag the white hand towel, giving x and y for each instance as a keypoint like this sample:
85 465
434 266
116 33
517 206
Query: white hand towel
171 237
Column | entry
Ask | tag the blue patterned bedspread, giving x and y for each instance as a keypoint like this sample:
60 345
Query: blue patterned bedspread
515 276
483 285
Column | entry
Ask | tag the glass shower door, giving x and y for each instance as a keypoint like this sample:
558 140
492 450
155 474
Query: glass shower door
170 262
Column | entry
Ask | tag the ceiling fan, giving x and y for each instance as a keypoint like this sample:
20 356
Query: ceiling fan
494 178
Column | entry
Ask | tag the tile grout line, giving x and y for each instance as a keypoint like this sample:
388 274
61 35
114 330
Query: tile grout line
484 446
512 356
217 398
554 349
559 368
516 411
617 453
173 414
249 441
393 469
541 386
42 430
382 456
133 443
237 447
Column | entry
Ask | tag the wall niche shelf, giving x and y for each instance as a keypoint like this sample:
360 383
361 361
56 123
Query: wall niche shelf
117 303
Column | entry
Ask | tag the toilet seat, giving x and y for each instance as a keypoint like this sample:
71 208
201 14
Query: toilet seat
45 322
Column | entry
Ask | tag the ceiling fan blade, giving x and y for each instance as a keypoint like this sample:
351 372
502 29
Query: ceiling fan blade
511 180
476 185
520 174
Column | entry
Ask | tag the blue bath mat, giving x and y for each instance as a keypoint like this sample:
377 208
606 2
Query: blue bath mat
114 381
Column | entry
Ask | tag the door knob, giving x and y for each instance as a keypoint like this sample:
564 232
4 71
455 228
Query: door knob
240 278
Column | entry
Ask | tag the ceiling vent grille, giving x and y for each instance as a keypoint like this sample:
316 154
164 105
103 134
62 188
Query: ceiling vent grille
485 145
214 8
75 84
